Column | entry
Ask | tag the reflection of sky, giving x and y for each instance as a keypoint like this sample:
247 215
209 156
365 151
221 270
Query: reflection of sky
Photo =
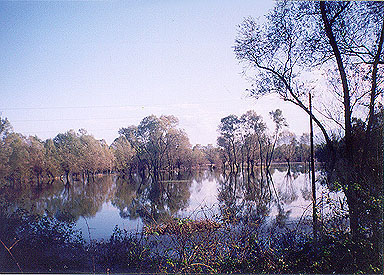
203 198
284 186
103 223
299 186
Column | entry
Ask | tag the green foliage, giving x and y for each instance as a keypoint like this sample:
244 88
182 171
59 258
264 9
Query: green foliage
365 174
124 252
159 145
27 160
246 142
43 244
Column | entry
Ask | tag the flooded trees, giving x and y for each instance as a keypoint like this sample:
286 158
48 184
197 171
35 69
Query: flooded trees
280 122
68 148
155 145
36 157
229 140
124 155
81 154
288 148
245 142
23 160
18 159
179 153
158 144
253 133
96 155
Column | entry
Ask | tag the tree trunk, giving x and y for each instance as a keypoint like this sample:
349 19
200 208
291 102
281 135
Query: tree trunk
374 86
289 166
67 177
350 193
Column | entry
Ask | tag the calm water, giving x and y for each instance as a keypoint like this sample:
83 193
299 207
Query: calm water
98 206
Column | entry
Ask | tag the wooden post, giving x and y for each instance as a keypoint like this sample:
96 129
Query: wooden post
314 214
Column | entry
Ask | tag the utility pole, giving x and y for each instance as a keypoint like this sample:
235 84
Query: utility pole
314 214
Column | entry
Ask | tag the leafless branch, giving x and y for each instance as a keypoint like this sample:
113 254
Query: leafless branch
10 253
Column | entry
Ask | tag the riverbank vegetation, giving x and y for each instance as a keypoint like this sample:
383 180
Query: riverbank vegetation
216 245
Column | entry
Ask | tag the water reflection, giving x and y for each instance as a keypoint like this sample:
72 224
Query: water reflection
110 200
65 202
244 197
125 197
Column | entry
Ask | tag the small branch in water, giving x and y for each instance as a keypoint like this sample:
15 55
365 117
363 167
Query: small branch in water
90 241
10 253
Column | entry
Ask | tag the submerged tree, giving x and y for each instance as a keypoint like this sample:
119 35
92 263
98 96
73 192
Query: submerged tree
157 143
124 154
280 122
246 142
253 133
229 138
80 153
288 148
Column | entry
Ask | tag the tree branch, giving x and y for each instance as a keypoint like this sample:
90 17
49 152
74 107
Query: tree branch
374 81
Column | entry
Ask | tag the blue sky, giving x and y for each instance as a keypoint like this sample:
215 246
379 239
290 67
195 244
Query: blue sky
103 65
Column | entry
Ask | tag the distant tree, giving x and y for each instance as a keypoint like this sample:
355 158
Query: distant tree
124 154
157 142
304 147
36 161
178 153
95 154
52 159
228 140
212 154
253 129
288 147
18 158
198 156
280 122
69 152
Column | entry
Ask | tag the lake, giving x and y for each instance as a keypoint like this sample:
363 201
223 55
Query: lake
98 205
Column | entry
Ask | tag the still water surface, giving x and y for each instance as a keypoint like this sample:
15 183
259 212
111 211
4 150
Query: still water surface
97 206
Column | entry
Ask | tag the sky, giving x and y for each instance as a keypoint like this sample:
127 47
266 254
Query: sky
104 65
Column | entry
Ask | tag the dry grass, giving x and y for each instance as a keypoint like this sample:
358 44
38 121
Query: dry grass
182 227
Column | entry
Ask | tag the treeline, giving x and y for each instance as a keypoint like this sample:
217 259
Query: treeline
156 145
245 142
31 160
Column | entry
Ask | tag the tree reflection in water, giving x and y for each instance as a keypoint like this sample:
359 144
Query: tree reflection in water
66 202
152 201
242 198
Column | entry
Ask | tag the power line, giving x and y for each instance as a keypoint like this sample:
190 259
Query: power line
112 106
55 131
71 119
68 107
108 118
